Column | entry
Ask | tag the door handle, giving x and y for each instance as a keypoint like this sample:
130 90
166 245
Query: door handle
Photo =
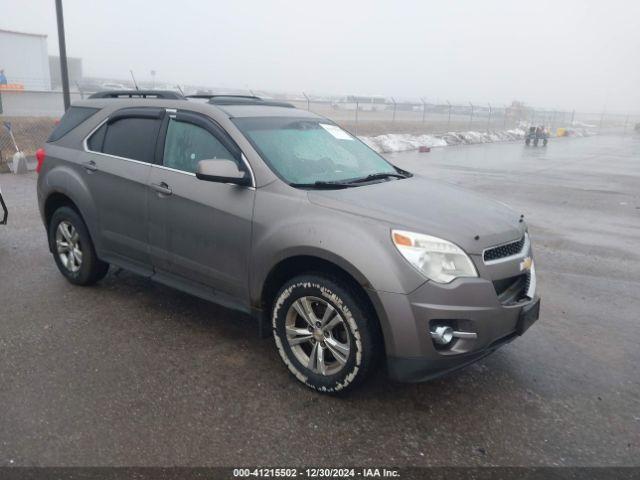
90 166
162 188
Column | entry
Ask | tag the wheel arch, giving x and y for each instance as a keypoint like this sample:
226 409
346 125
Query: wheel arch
64 187
301 263
54 201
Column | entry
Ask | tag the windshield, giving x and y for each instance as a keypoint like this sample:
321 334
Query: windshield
309 151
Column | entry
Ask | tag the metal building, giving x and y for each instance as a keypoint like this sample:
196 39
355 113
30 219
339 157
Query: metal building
25 59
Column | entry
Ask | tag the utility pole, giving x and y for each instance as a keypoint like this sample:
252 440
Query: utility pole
64 71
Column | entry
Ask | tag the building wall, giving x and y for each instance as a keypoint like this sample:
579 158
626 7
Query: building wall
74 67
25 59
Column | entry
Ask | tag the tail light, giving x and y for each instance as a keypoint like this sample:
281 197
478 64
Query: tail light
40 156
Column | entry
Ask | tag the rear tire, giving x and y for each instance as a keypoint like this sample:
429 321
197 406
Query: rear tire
325 335
73 250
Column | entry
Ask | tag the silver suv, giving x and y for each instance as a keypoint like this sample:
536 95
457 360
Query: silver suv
280 213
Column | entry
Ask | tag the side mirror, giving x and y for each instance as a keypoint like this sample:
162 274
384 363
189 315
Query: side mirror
223 171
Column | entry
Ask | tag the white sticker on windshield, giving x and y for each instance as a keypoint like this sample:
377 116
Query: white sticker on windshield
336 131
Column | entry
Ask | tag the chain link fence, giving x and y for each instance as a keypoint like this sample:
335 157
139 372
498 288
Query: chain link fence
377 116
32 115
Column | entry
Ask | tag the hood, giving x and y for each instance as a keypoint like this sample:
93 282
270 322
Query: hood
431 207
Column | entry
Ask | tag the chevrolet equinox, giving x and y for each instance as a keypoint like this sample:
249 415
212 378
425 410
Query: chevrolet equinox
275 211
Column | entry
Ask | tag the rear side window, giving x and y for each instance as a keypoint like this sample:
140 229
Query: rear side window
133 138
96 140
70 120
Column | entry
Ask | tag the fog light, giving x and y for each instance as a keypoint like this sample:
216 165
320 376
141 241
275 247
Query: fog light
442 335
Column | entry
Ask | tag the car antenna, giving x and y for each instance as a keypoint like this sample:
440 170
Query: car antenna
134 80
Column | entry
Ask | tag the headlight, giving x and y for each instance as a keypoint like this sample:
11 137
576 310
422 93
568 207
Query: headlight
437 259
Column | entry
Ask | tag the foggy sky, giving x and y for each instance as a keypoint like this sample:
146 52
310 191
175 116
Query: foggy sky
569 54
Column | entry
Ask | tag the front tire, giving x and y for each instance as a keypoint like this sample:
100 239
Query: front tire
73 249
325 335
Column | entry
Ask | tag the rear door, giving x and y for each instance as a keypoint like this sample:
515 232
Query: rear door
199 231
117 166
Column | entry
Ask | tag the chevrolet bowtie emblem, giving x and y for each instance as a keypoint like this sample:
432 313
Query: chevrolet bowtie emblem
526 264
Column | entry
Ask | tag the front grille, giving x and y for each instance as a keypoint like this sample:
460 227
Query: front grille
503 251
513 289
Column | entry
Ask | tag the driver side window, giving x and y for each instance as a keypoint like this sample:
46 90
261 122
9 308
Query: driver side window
186 144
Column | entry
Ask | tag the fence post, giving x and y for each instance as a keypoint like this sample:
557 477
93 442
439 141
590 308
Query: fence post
573 116
626 119
471 116
394 109
305 96
449 118
504 118
357 108
424 109
489 119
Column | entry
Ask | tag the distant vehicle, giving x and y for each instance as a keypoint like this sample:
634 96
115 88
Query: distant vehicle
364 103
113 86
535 134
280 213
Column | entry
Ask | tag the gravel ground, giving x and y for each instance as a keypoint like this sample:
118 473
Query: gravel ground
133 373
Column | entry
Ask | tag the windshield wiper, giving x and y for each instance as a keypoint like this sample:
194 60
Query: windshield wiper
323 184
379 176
332 184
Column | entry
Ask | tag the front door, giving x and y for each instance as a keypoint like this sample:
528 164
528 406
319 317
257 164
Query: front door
199 231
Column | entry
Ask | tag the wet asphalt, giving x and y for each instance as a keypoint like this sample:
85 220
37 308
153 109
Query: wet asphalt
133 373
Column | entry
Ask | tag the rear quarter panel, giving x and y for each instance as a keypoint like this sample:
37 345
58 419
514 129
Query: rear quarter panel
62 173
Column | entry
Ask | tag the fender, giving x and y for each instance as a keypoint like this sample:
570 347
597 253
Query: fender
260 276
332 236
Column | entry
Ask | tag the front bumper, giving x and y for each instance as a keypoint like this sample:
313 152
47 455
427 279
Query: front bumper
469 305
409 369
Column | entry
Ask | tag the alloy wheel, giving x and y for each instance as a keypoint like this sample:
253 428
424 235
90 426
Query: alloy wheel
317 335
68 246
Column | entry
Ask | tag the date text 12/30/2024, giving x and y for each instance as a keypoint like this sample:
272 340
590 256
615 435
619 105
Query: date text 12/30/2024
315 473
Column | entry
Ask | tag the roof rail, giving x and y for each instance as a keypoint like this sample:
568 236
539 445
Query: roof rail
161 94
241 100
209 96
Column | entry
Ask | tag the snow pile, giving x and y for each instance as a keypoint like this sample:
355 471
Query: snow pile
583 125
401 142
